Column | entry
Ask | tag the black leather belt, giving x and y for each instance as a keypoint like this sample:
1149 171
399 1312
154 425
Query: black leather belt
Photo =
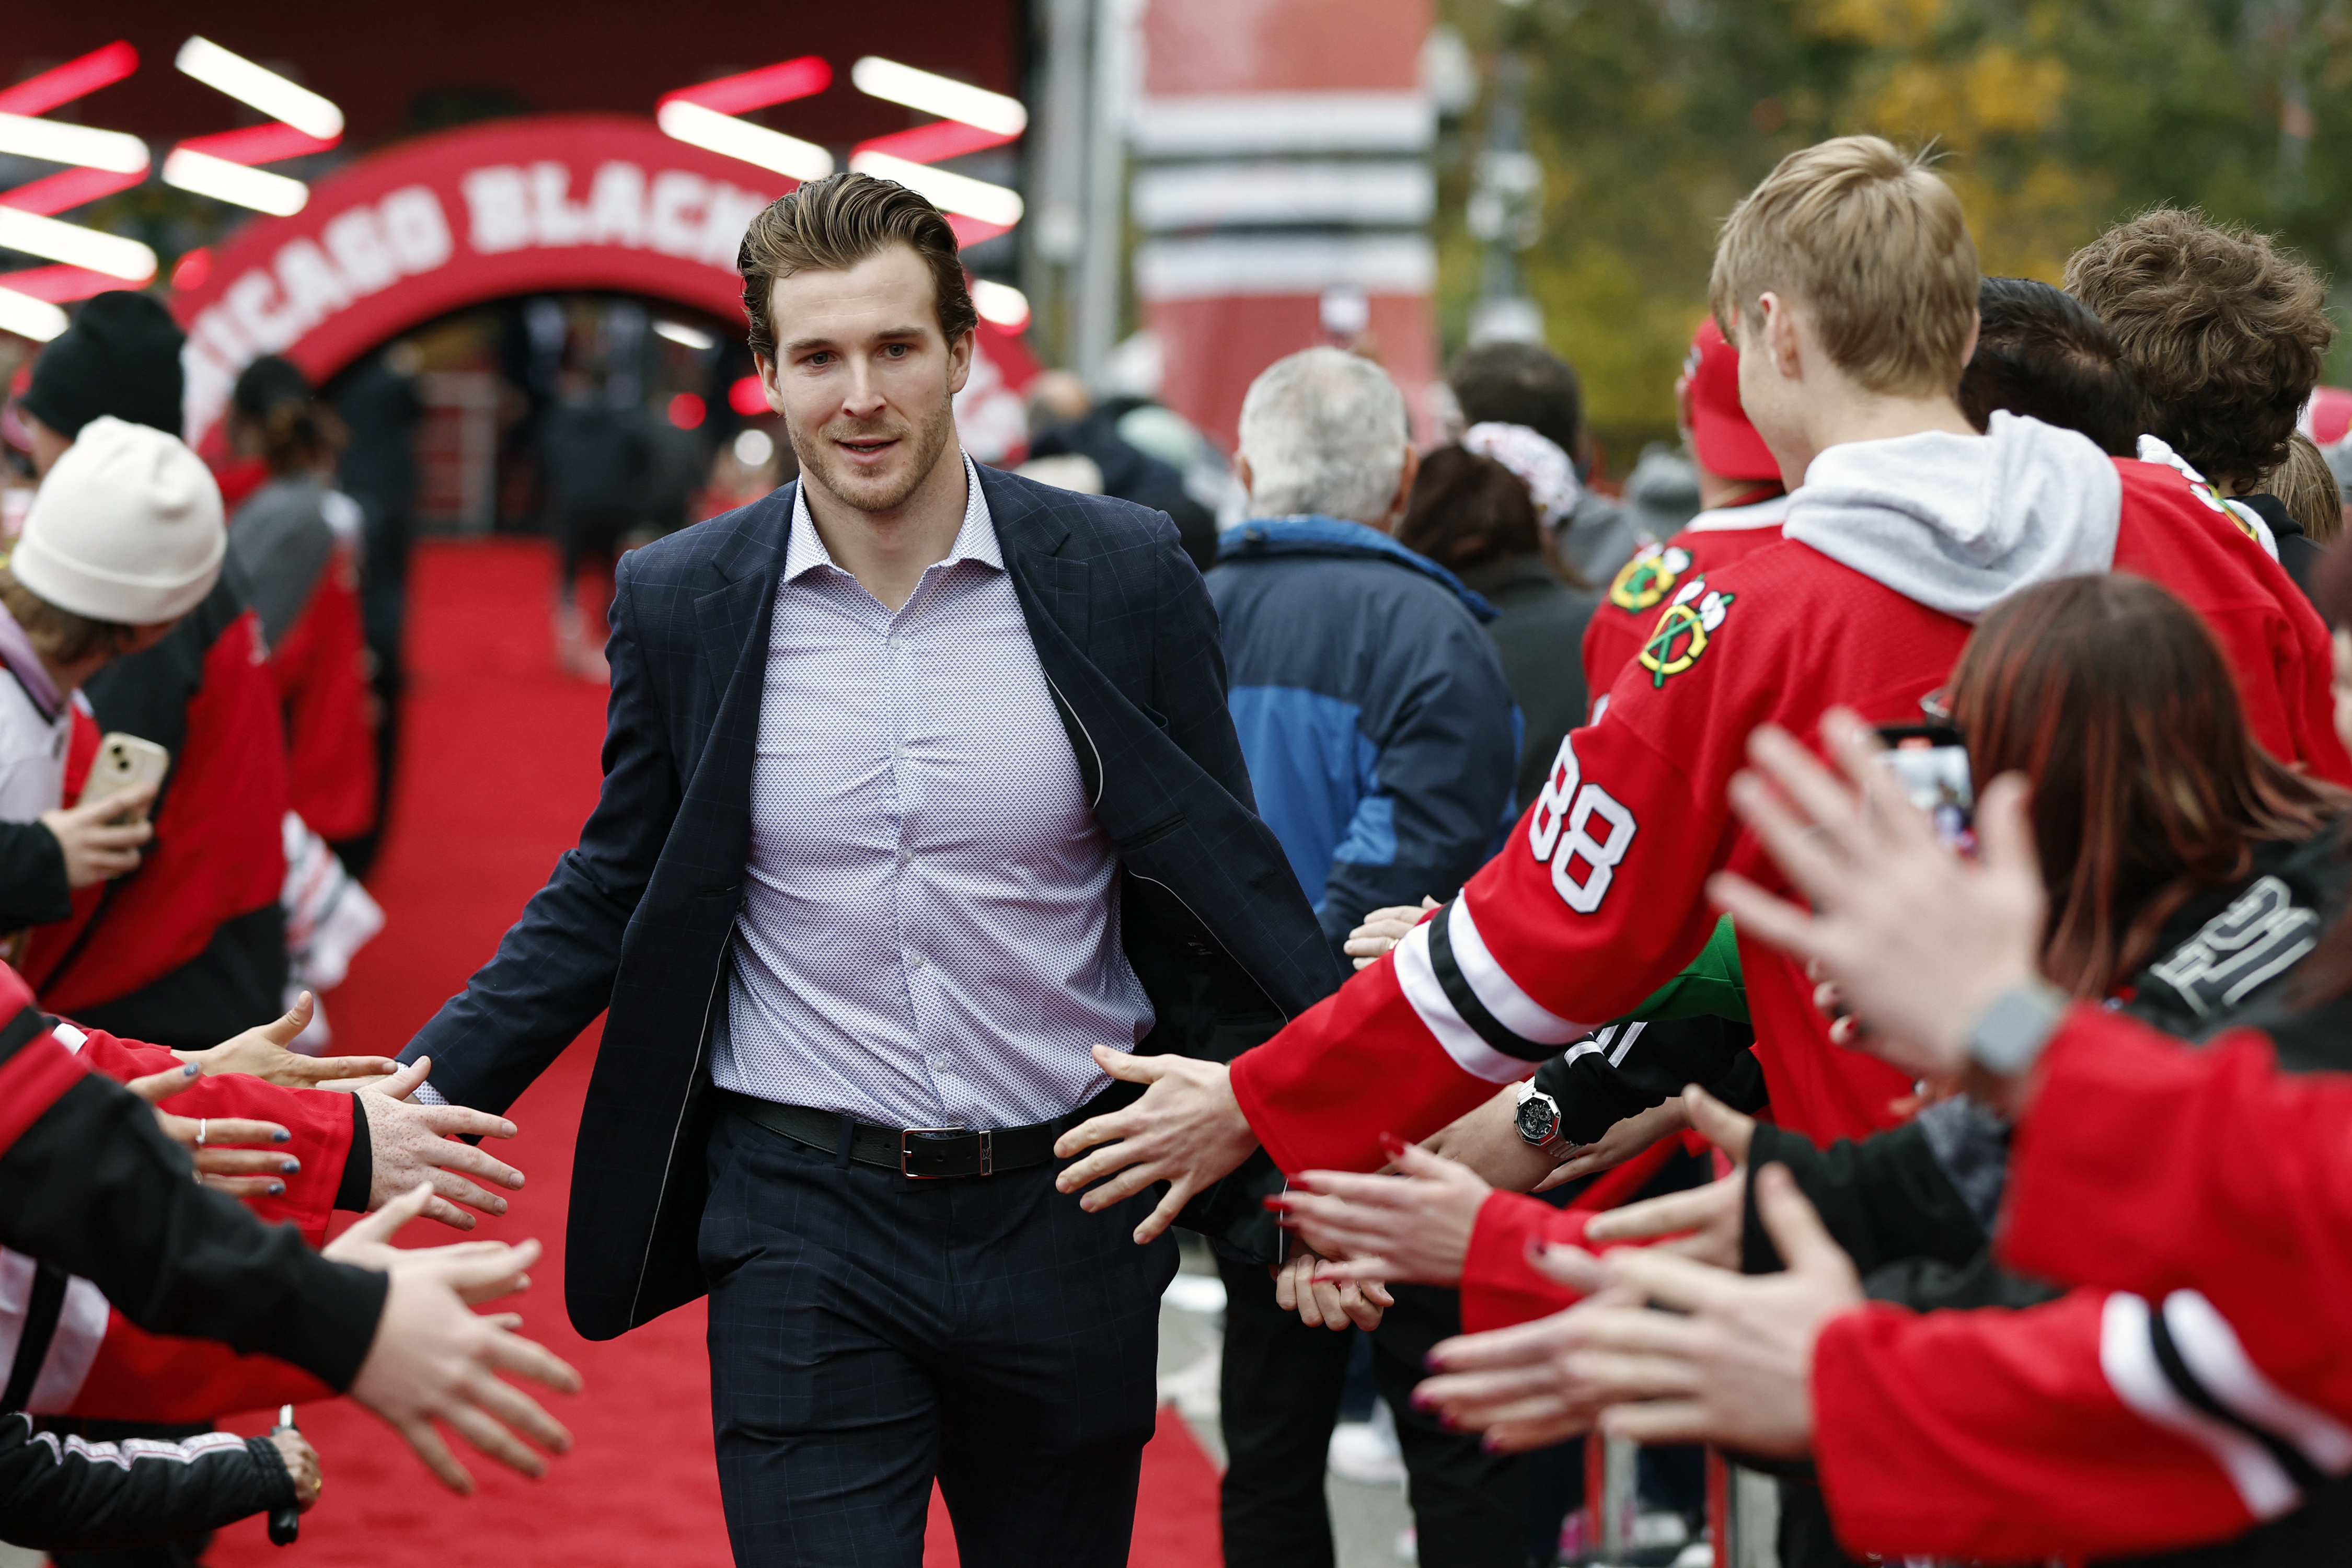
926 1152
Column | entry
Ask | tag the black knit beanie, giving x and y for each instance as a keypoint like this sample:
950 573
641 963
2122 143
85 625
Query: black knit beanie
121 356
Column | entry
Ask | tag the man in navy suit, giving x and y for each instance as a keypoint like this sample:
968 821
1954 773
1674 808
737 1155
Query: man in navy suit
923 826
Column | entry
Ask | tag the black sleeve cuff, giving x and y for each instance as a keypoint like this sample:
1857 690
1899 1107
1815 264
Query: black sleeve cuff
277 1481
328 1341
33 889
358 1165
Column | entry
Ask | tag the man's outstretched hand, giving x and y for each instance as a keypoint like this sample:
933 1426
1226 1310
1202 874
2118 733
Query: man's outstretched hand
434 1359
1188 1131
411 1144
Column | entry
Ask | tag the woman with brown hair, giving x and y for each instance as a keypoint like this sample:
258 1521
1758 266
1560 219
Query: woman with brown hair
1477 519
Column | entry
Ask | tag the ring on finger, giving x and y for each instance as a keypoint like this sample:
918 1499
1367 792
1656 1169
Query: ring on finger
202 1124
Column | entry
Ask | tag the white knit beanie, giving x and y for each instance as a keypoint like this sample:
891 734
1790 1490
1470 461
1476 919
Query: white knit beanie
126 527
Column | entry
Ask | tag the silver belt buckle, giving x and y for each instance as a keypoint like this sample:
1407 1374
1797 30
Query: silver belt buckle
907 1151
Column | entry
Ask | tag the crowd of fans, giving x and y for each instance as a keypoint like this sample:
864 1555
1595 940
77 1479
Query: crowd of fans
2019 1276
187 734
1862 961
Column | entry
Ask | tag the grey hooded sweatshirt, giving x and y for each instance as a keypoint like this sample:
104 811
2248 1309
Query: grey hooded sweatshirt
1959 522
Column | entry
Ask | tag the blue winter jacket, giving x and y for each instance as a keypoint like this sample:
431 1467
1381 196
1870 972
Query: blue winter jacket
1379 732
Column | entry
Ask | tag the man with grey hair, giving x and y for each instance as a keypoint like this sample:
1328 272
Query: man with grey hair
1381 743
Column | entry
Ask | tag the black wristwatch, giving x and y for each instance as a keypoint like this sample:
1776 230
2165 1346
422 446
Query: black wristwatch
1538 1122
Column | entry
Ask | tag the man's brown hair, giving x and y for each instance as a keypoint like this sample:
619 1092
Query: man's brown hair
1873 246
2225 333
832 224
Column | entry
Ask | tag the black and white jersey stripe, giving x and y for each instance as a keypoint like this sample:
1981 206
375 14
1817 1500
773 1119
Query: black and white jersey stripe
2181 1366
1491 1027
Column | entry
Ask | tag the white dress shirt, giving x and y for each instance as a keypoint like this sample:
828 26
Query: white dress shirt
929 934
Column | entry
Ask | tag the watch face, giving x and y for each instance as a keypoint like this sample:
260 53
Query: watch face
1538 1118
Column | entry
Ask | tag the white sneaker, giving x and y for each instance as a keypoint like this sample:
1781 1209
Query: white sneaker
1653 1530
1366 1452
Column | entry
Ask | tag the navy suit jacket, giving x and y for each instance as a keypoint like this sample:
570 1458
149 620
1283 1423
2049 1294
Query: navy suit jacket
636 920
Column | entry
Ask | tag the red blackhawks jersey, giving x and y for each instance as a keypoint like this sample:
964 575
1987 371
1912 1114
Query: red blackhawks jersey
1598 896
2194 1384
1628 612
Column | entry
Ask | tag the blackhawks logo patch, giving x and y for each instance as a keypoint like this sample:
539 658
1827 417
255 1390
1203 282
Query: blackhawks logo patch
1682 632
1649 577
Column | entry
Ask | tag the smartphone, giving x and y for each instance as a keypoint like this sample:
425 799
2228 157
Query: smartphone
1932 763
124 763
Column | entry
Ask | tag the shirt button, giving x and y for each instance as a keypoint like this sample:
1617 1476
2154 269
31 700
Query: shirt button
906 857
942 1064
897 642
914 961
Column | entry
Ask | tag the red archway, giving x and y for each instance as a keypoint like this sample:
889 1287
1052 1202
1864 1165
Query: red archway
518 206
543 204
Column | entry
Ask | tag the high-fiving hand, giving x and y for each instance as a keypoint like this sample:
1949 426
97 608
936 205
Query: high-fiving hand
413 1143
1730 1360
266 1053
434 1359
1414 1226
1188 1131
214 1141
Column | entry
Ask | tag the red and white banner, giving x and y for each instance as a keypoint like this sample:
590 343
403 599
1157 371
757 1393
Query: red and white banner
432 226
1284 190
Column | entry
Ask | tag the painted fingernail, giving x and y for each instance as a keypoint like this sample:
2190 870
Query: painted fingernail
276 1189
1421 1401
1278 1203
190 1071
1391 1142
288 1167
279 1136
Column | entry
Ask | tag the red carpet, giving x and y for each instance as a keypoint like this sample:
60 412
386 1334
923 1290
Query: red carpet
499 769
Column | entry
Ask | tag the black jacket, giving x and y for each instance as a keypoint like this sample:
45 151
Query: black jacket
62 1494
638 917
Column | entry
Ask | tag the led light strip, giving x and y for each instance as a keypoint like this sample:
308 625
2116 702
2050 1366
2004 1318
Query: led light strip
220 165
260 88
706 115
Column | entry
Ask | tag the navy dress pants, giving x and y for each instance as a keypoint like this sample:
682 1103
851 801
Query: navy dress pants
870 1332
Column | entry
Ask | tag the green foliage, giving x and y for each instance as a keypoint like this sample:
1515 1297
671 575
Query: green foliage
2055 118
